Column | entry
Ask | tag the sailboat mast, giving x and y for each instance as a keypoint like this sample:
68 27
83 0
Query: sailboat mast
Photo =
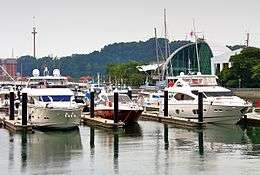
157 54
196 45
165 36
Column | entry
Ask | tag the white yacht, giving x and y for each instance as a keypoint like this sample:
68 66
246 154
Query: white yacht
150 100
4 96
50 103
219 104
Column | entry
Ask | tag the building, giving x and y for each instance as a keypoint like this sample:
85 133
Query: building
9 65
212 59
184 59
219 62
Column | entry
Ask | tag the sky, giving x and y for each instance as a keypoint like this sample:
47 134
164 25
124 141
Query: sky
67 27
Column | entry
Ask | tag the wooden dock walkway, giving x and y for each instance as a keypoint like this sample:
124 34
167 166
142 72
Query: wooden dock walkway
172 120
14 125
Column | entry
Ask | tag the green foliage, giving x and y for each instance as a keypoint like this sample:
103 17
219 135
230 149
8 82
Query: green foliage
79 65
246 67
126 73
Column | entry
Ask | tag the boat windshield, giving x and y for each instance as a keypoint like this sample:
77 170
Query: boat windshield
157 96
122 98
201 81
55 98
219 94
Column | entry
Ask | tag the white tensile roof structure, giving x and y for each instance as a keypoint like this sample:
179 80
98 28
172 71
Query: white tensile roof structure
148 67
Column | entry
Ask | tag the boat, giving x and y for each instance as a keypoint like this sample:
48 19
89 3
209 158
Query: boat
128 112
4 97
51 104
220 105
150 100
254 113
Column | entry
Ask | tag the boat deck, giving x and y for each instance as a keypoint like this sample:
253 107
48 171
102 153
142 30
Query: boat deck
100 122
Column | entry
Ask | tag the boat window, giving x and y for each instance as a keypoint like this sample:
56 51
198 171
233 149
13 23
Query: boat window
157 96
195 92
219 94
257 110
46 99
55 98
31 100
180 96
61 98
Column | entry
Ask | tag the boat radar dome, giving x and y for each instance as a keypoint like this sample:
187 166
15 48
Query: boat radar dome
36 72
198 73
182 74
56 72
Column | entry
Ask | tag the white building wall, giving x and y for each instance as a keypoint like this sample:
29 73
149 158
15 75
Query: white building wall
221 59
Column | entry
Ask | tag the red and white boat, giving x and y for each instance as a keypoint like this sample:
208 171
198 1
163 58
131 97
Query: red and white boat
128 112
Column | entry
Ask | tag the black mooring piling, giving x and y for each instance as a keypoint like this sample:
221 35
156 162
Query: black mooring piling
201 143
11 107
19 93
166 103
166 140
92 104
24 108
115 107
200 106
129 93
92 137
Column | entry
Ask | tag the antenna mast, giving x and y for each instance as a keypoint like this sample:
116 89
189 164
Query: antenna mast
247 39
34 34
196 45
12 52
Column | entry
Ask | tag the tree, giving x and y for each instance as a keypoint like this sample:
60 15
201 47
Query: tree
245 68
126 73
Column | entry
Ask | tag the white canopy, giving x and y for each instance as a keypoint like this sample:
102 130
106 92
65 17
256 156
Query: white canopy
145 68
47 91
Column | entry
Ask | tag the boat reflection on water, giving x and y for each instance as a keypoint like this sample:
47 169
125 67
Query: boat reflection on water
253 136
43 149
111 140
132 130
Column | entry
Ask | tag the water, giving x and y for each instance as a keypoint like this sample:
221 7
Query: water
147 148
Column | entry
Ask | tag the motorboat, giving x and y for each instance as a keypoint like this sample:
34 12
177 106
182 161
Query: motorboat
150 100
219 104
50 103
4 97
254 113
128 112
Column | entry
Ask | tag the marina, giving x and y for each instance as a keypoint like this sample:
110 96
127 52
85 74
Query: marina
146 148
125 88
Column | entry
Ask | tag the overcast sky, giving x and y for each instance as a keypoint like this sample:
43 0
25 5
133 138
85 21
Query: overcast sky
66 27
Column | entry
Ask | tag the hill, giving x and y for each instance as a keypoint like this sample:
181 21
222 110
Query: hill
78 65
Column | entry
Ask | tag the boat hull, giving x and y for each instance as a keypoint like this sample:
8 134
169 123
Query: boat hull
54 118
126 116
211 113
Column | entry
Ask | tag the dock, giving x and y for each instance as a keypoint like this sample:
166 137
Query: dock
100 122
183 122
15 125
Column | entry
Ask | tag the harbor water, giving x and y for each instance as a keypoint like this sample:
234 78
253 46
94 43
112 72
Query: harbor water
145 148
